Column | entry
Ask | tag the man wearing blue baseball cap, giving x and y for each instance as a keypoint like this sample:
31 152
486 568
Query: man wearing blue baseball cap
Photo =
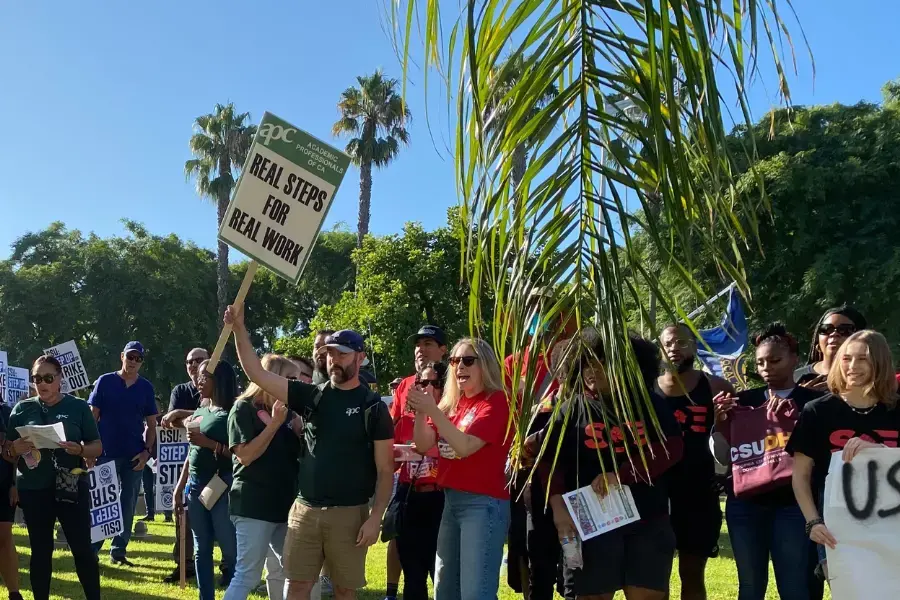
347 457
124 406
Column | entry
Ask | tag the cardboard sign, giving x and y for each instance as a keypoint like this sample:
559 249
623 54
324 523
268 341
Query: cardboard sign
74 375
171 450
106 503
282 197
862 512
17 386
3 364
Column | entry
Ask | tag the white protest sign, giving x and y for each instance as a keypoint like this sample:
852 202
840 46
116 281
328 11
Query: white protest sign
17 386
171 450
106 505
74 375
281 199
3 362
862 512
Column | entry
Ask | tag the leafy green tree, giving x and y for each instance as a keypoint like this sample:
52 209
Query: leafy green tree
375 117
220 145
570 208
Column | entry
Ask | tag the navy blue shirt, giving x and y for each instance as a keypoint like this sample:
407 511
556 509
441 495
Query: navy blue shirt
184 397
123 413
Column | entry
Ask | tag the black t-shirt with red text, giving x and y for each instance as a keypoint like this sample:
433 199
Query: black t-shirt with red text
695 414
594 434
827 424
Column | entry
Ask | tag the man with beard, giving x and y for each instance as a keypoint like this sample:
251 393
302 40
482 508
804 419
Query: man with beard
184 400
320 357
693 493
347 457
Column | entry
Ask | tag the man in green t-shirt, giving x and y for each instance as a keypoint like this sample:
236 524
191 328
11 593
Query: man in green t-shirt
347 456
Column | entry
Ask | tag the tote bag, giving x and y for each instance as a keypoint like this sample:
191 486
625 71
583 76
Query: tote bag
758 437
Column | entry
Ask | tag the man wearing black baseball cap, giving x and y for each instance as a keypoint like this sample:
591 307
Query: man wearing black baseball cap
347 458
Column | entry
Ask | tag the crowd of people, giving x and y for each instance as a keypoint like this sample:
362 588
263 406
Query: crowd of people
304 470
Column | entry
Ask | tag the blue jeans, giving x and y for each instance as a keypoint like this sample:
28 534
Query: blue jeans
254 538
757 531
149 480
470 541
210 526
130 485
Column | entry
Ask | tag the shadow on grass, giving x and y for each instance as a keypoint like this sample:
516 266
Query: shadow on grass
725 549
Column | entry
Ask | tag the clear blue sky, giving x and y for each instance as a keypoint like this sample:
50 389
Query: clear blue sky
98 101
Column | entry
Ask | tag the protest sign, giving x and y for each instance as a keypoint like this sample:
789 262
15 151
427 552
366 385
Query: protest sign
17 386
281 199
3 362
74 375
106 505
862 512
171 450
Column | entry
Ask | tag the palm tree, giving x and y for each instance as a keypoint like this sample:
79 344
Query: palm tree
375 116
573 233
220 145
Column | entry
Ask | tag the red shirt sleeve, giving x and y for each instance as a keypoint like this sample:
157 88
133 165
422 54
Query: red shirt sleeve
491 420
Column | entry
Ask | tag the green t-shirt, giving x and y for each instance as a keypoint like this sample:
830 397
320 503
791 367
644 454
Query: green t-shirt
265 488
338 464
204 462
79 425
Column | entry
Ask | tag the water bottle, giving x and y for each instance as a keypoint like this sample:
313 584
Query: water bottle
571 547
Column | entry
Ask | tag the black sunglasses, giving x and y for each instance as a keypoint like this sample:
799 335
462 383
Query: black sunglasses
49 378
844 330
424 383
466 360
192 361
134 358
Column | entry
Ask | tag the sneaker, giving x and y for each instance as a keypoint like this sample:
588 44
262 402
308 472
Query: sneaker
175 576
225 578
327 588
148 518
121 561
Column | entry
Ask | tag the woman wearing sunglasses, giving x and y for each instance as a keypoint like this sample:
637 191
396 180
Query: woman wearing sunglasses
209 465
835 326
53 484
469 427
419 503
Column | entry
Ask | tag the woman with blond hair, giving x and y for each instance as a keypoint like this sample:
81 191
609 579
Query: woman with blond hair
860 412
265 453
469 427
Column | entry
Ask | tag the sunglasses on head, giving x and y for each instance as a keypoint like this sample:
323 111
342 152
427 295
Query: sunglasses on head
49 378
844 330
194 361
466 360
435 383
134 358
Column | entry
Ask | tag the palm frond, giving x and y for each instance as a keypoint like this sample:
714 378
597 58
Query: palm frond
537 77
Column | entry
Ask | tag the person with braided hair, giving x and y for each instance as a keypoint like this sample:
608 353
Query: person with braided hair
768 524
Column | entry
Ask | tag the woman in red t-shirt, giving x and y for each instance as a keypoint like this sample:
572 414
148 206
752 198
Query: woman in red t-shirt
471 429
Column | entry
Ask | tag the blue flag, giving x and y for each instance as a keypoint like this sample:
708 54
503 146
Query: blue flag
721 348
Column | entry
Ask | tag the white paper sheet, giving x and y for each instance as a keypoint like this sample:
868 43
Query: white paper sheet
44 436
594 516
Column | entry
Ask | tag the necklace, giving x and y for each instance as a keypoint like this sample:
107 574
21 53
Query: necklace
860 411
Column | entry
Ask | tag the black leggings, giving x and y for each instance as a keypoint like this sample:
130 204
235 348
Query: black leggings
41 510
417 532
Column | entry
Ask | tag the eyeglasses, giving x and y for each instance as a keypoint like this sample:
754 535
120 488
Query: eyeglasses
844 330
134 358
49 378
466 360
291 377
435 383
190 361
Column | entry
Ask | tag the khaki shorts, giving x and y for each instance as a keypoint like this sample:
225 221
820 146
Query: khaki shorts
318 536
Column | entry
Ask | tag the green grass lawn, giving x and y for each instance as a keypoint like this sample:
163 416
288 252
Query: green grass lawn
152 558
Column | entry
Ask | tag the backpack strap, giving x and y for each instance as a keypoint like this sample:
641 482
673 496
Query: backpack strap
372 401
